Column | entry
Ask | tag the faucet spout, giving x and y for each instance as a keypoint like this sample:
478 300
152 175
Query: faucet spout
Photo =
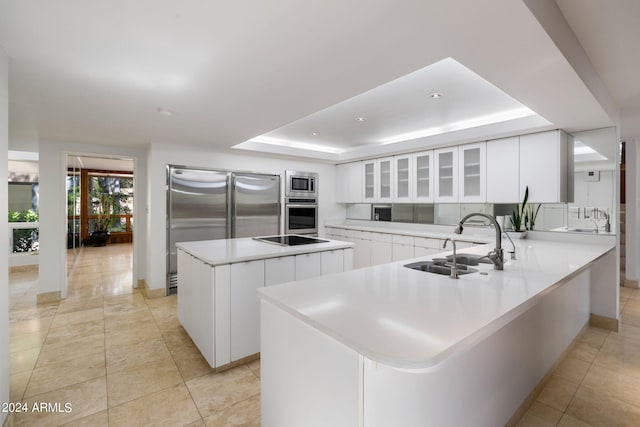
496 256
454 267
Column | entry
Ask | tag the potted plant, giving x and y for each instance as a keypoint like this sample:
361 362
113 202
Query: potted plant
105 208
518 215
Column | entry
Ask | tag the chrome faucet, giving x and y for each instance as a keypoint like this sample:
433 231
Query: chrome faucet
454 266
595 223
496 256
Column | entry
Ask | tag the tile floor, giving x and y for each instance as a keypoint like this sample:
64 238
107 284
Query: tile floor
122 360
117 358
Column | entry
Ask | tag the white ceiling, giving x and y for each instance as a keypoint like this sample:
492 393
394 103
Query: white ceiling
98 72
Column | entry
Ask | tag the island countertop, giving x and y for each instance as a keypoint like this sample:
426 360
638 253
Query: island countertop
229 251
410 319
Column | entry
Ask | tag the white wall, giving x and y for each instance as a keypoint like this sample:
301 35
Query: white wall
53 207
632 220
161 154
4 234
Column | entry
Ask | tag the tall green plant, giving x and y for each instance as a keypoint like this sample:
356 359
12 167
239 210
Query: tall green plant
518 215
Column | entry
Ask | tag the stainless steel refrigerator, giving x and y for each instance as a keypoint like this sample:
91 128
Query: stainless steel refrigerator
208 204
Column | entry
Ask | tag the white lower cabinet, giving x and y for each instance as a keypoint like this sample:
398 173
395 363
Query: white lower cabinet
401 251
362 252
381 248
331 262
279 270
307 265
246 278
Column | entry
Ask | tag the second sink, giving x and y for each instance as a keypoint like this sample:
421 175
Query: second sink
469 259
439 268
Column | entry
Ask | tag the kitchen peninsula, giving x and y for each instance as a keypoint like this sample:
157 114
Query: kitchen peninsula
388 345
217 283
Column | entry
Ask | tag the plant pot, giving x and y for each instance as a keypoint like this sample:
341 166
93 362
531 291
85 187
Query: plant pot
517 234
99 238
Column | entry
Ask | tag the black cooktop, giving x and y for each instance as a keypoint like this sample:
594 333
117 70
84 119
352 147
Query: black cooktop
290 240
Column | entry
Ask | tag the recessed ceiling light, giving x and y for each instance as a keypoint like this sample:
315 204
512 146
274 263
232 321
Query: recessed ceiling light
435 95
164 112
361 119
314 133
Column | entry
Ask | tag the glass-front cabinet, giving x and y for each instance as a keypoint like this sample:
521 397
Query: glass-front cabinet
422 176
369 179
446 168
472 160
402 191
385 181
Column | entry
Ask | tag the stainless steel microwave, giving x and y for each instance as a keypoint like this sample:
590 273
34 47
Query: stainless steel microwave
301 184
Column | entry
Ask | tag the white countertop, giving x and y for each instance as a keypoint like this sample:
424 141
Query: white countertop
229 251
415 320
487 236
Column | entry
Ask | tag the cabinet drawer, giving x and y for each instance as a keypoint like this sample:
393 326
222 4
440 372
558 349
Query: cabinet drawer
332 262
426 242
381 237
307 265
279 270
403 240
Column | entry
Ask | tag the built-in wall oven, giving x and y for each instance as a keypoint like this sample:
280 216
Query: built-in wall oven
301 215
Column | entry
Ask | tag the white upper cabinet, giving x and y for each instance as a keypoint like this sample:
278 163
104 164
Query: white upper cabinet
472 173
546 167
349 183
402 179
503 170
370 180
446 179
422 176
385 180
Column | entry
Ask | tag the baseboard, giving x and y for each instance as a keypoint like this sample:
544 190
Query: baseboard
47 297
630 283
23 268
603 322
151 293
524 407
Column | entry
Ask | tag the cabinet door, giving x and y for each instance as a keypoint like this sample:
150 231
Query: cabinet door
246 278
362 252
307 265
381 248
354 182
401 252
446 180
402 179
332 262
279 270
544 166
385 180
422 176
342 186
472 173
503 170
370 180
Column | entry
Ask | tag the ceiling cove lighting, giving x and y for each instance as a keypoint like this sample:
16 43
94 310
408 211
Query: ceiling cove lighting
584 153
489 119
293 144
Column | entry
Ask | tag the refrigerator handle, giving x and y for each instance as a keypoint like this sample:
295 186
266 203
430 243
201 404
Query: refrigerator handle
231 206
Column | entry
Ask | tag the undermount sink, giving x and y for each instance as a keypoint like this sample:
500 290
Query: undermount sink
583 230
469 259
438 267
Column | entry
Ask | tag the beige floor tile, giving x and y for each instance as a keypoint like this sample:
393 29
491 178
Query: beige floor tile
124 357
34 325
599 410
134 333
618 384
21 361
217 391
572 369
28 341
65 373
177 340
529 420
169 407
85 399
20 313
199 423
255 367
569 421
594 336
191 364
116 322
18 384
76 330
99 419
71 349
630 318
138 381
557 393
628 332
68 306
583 351
244 413
72 318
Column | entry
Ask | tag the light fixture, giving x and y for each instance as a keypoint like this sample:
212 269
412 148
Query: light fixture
164 112
314 133
435 95
361 119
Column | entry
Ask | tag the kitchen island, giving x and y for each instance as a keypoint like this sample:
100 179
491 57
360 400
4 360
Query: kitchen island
217 282
388 345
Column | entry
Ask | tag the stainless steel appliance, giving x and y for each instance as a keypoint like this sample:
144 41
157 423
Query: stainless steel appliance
301 184
301 215
208 204
289 240
381 212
